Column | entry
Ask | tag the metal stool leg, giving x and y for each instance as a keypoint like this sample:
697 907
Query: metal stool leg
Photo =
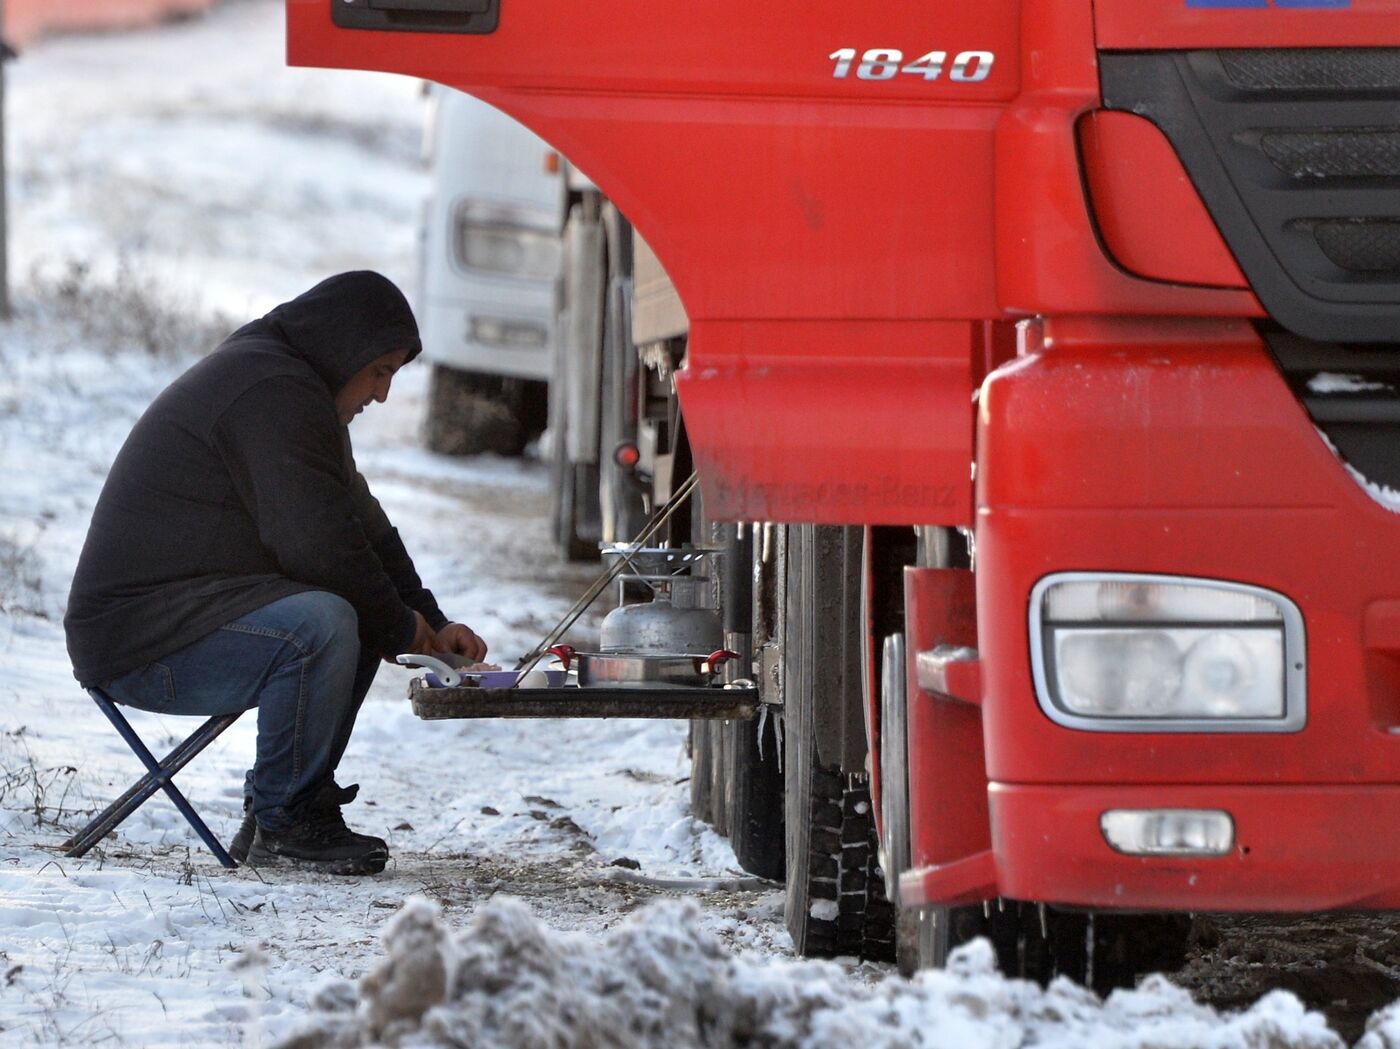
158 776
109 818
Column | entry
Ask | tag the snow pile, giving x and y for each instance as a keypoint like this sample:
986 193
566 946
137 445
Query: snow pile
1388 497
1341 382
1382 1029
658 979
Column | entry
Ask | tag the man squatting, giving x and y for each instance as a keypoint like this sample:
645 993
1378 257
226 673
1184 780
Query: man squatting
237 559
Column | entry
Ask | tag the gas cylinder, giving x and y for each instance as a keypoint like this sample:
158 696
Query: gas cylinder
664 624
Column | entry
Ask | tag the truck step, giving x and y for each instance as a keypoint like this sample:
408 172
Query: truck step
704 704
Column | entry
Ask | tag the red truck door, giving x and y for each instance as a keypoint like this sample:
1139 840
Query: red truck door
817 179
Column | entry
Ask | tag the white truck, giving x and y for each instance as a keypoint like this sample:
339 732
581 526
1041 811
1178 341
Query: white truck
489 264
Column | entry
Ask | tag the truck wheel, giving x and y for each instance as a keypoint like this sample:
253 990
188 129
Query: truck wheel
701 772
534 407
1129 946
1103 951
573 483
894 796
755 816
835 893
709 772
469 413
620 491
736 781
928 935
575 384
1036 944
835 890
566 485
750 766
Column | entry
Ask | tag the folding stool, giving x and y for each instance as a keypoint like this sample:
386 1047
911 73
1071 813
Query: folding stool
159 776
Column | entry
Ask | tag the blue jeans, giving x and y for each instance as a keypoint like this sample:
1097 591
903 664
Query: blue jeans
298 660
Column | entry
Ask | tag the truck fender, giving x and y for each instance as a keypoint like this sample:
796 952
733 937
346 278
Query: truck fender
948 812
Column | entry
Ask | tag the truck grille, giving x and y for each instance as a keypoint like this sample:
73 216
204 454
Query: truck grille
1297 155
1344 69
1359 245
1357 153
1352 394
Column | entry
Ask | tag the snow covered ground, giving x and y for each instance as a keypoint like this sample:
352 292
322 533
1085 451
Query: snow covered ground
164 184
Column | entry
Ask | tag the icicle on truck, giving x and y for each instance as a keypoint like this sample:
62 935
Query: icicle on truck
1039 366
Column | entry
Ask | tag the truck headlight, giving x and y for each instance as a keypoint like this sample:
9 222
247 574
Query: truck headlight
1139 653
516 251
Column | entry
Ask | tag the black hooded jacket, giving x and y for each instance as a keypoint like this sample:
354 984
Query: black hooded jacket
237 488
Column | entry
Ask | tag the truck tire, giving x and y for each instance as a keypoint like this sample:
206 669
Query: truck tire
1034 943
702 782
1129 946
575 384
1103 951
894 763
911 926
469 413
709 795
736 782
573 484
723 773
565 483
835 889
622 507
755 797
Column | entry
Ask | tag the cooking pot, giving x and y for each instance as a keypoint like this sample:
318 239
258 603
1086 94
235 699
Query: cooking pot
643 669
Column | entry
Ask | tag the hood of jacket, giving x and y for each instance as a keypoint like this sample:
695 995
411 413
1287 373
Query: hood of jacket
345 322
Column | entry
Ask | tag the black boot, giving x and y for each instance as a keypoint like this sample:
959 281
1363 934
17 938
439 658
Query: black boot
243 840
238 847
318 839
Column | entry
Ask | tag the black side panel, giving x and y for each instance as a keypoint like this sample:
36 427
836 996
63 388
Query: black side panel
1297 155
418 16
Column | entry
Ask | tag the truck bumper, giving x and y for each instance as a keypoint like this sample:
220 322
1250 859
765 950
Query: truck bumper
523 326
1297 848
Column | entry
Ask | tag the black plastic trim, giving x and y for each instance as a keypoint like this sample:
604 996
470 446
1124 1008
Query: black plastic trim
418 16
1360 417
1292 152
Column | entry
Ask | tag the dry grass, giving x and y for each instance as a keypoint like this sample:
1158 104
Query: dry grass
124 313
21 579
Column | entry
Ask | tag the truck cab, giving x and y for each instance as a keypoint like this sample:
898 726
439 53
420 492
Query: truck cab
1039 362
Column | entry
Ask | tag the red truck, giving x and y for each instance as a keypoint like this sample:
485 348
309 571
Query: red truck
1038 364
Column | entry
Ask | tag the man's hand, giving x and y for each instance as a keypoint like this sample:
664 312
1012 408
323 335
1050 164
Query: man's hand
423 640
423 636
461 640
